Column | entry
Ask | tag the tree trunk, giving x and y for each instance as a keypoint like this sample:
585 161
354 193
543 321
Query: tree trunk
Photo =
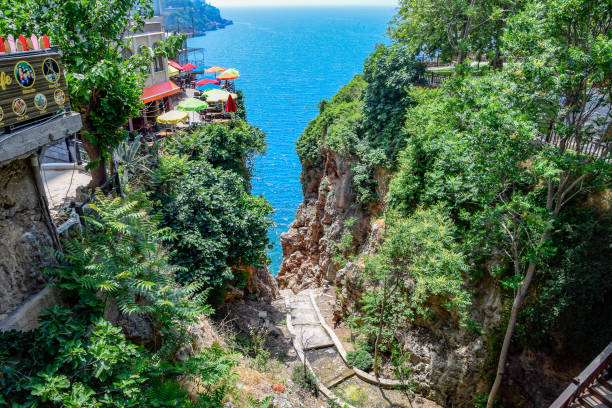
516 307
98 173
498 62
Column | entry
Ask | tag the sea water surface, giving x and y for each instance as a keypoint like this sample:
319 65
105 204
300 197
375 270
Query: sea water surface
290 59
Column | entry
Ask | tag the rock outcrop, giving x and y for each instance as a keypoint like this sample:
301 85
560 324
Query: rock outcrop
24 237
328 211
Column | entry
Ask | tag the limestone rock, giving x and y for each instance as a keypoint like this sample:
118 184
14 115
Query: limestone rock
311 243
24 237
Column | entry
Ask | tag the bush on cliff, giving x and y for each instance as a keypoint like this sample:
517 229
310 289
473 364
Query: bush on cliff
364 120
202 186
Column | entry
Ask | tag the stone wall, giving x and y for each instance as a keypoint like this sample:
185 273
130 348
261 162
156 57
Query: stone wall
24 235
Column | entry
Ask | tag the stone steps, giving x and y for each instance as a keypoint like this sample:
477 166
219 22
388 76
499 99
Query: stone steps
308 329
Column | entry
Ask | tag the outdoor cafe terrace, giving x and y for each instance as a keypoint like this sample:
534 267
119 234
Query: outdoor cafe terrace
206 96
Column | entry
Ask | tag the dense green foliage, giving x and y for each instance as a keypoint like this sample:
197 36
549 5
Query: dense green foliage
202 187
389 73
124 238
337 124
78 359
364 119
494 174
360 359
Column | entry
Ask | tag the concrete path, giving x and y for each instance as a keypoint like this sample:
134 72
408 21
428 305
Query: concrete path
61 185
293 304
308 330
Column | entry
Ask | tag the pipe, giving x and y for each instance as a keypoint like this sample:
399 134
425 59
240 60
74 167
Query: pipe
62 166
42 198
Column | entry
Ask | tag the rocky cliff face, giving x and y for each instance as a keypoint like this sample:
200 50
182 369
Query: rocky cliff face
312 240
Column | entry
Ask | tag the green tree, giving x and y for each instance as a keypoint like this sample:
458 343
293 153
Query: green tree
389 71
561 69
202 185
418 259
104 87
453 28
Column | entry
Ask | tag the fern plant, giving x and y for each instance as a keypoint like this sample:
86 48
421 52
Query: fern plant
120 257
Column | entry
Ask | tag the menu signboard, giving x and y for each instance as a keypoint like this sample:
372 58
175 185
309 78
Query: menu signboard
32 85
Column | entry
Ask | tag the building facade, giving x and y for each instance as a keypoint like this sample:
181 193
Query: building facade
159 89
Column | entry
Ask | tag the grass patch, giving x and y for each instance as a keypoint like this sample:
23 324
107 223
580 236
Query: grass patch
355 395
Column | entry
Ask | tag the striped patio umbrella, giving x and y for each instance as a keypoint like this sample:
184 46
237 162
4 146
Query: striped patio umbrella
218 95
214 70
229 74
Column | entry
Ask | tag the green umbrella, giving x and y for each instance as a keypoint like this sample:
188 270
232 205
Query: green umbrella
192 104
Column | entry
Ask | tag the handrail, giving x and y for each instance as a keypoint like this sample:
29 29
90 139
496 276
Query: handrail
581 382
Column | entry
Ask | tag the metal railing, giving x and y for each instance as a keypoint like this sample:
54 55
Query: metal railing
585 383
594 147
432 79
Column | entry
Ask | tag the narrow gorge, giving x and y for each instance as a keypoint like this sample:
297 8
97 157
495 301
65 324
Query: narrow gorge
365 166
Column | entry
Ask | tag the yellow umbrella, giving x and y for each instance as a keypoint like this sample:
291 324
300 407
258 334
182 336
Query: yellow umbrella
172 117
172 71
218 95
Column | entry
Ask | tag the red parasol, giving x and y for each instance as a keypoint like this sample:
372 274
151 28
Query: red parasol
207 81
189 67
231 105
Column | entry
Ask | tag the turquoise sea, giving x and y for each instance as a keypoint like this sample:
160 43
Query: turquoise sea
289 59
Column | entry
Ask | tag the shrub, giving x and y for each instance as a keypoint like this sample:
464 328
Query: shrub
202 187
360 359
120 257
218 224
303 377
77 359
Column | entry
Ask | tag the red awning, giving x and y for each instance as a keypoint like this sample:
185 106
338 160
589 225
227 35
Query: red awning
175 64
159 91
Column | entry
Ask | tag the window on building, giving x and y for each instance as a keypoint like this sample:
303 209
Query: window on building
158 62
